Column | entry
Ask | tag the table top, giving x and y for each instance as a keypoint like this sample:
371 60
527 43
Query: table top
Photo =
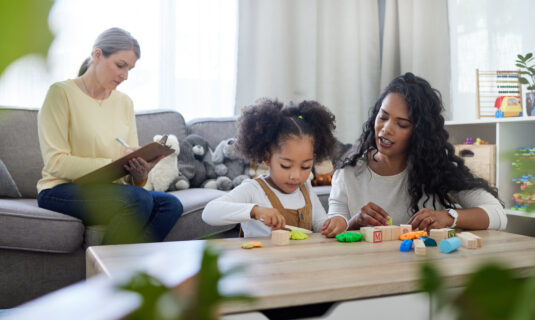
314 270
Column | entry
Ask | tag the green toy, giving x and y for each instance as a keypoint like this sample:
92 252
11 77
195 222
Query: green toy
296 235
349 237
390 221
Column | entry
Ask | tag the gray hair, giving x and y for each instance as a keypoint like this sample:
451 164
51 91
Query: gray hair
110 41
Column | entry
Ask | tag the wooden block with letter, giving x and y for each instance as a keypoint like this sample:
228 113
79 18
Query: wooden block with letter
405 228
419 247
468 240
395 232
387 233
372 234
478 239
438 234
280 237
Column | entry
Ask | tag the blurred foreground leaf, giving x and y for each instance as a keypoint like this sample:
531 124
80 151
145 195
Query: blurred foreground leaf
23 29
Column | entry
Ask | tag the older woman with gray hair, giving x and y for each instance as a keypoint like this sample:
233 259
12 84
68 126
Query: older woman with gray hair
78 124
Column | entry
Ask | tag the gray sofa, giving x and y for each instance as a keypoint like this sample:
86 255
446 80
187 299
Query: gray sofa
42 250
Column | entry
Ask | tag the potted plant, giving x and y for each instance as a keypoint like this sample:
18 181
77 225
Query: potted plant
527 76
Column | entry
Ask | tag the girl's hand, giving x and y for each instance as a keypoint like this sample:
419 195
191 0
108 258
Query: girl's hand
333 226
270 216
370 214
427 219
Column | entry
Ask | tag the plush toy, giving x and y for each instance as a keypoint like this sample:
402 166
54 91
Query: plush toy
323 172
189 166
165 173
202 152
229 163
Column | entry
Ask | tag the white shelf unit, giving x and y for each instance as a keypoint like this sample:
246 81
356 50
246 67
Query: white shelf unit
508 134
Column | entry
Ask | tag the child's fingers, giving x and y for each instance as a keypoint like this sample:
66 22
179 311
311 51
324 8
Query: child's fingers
326 224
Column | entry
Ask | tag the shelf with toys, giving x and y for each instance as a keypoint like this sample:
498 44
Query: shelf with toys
507 135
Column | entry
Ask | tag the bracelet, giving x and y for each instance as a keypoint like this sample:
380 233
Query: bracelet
136 183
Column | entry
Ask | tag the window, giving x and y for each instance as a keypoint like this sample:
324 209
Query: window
188 54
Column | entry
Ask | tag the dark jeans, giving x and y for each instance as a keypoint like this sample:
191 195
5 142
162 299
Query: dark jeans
132 214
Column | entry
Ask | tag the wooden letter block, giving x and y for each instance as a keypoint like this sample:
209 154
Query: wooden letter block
419 247
479 242
377 235
438 234
451 232
280 237
405 228
396 232
387 233
467 241
363 231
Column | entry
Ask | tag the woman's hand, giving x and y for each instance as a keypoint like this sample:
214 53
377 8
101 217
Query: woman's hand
370 214
139 168
427 219
270 216
334 226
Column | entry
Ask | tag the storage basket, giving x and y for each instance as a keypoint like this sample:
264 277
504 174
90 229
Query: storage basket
481 159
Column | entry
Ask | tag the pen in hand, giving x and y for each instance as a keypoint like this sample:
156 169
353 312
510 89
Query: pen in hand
121 141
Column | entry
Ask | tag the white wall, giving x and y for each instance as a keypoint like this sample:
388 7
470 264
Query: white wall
485 34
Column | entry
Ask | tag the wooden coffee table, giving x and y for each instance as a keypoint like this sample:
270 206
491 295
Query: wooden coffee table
311 271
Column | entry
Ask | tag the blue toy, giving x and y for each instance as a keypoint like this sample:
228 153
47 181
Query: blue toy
449 245
429 242
406 246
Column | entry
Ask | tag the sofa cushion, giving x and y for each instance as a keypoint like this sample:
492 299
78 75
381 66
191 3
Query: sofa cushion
151 123
19 148
25 226
8 188
213 129
190 225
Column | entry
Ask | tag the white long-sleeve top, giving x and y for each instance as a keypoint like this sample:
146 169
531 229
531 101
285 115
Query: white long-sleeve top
354 187
236 206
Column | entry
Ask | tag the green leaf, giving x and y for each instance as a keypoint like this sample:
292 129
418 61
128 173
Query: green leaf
520 65
23 29
523 80
529 55
490 293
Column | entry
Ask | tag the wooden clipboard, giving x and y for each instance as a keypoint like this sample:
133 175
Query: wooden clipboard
116 170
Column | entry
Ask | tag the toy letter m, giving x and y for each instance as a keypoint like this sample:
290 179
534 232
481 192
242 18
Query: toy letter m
377 236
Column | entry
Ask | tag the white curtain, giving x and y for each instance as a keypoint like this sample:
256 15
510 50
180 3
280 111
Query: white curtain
330 51
311 49
416 39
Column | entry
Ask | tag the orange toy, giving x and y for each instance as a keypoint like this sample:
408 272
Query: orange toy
413 235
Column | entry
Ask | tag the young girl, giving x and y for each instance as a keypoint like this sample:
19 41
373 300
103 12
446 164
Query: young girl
403 167
288 139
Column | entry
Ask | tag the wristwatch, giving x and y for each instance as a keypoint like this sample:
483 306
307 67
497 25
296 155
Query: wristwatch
454 214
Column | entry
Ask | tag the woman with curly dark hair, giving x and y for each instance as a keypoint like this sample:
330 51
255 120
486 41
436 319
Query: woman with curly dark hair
403 167
289 139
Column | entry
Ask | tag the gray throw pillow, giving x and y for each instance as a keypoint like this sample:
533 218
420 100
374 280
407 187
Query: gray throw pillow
8 188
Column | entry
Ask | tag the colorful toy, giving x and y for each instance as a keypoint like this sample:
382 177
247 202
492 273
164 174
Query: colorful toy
390 221
413 235
251 244
349 237
469 141
498 93
523 164
429 242
508 106
449 245
405 246
296 235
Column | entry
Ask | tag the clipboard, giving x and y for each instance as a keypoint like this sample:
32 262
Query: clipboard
116 170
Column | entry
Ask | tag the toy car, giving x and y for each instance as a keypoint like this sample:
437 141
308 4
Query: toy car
508 106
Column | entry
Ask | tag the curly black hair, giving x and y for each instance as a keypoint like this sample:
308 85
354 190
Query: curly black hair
433 167
263 127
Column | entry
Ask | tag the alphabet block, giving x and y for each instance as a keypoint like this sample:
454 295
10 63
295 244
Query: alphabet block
479 241
419 247
280 237
467 241
405 228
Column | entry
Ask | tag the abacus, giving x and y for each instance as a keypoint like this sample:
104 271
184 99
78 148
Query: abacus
493 84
